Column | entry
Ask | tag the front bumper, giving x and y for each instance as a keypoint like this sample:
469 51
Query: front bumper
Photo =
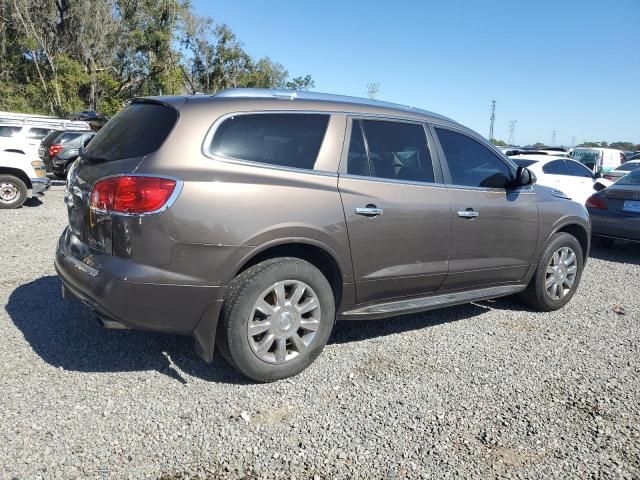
39 186
180 309
611 224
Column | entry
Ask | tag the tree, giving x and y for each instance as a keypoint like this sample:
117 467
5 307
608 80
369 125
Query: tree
301 83
498 143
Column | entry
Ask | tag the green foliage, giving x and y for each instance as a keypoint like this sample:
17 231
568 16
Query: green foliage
498 143
62 57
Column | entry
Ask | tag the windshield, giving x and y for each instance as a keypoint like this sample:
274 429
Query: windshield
138 130
632 178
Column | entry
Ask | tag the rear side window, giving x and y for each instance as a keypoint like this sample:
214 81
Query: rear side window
137 130
38 133
557 167
9 131
357 161
67 137
281 139
471 163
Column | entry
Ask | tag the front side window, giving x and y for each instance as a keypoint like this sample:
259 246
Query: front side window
395 150
281 139
471 163
578 170
556 167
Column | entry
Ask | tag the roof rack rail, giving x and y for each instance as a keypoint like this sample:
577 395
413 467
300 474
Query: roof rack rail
328 97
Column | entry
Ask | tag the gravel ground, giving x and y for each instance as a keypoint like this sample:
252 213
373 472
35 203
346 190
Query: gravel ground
477 391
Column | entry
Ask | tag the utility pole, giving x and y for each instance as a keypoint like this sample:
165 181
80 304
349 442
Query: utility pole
373 89
512 132
493 119
573 141
553 138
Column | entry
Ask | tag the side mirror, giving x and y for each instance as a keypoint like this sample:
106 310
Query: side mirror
524 177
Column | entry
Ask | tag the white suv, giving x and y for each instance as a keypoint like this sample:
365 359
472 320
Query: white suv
21 177
22 138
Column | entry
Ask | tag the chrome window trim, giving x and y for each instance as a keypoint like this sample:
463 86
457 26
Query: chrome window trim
170 201
391 180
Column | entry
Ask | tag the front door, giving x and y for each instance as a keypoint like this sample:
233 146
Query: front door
398 214
495 228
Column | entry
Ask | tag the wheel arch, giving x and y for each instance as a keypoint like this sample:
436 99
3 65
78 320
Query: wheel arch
317 255
16 172
580 233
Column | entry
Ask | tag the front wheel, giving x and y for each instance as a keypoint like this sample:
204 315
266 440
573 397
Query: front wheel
13 192
277 318
557 275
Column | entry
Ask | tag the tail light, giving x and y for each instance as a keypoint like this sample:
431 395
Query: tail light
608 177
131 194
55 149
596 201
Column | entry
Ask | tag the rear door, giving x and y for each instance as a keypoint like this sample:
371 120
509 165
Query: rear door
583 180
397 210
495 228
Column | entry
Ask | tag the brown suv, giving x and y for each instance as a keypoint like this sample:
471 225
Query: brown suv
252 219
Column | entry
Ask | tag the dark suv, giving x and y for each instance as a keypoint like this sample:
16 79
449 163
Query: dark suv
252 219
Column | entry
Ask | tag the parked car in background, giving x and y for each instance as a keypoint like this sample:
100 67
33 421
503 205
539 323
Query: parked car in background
55 142
21 177
23 139
615 211
564 174
67 153
622 170
598 160
258 217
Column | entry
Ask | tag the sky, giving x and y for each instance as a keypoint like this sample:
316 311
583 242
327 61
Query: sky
572 66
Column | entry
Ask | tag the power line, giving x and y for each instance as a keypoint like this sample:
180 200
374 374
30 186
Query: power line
493 119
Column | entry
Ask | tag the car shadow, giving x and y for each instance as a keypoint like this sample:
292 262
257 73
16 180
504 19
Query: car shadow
66 335
620 252
32 202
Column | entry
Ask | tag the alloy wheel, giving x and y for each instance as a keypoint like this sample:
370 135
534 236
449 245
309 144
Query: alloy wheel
561 273
284 321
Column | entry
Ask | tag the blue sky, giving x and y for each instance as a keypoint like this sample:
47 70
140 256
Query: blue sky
570 66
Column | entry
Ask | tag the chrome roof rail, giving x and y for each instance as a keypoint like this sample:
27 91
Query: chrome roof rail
324 97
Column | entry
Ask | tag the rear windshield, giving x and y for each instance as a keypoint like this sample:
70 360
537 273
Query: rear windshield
49 139
632 178
522 162
68 136
586 156
138 130
629 166
283 139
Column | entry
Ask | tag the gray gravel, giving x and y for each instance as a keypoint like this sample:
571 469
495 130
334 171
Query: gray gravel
483 390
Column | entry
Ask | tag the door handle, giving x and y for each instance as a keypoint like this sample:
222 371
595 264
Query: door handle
468 213
369 211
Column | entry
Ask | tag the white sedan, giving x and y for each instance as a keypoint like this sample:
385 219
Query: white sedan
564 174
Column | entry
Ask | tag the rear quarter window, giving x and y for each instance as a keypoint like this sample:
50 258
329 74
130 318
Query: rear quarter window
9 131
281 139
137 130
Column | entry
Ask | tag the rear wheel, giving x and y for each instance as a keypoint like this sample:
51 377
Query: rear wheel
276 320
557 275
13 192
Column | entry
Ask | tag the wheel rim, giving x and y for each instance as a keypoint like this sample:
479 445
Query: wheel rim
284 321
8 192
561 273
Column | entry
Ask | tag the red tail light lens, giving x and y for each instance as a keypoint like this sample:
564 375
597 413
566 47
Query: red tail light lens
608 177
55 149
595 201
131 194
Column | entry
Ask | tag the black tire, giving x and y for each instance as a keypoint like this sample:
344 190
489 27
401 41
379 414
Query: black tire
244 291
604 242
535 295
13 182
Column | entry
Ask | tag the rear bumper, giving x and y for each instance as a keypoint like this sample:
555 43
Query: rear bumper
611 224
39 186
179 309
